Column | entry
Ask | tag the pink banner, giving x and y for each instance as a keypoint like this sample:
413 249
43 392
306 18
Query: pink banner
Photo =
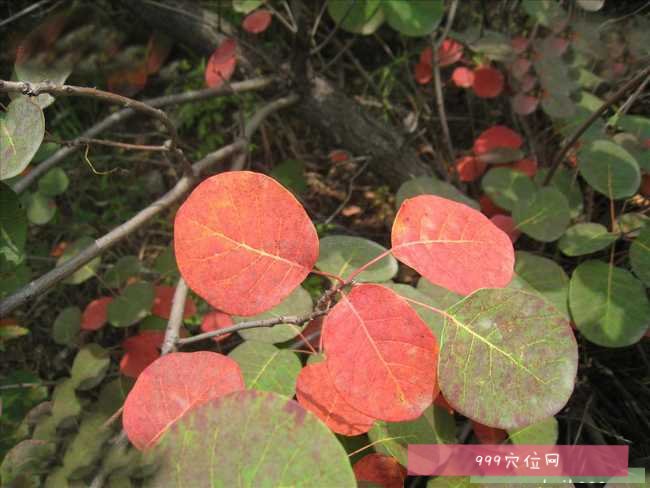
516 460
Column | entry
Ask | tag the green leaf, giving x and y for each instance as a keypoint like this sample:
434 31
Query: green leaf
65 404
546 277
132 305
251 438
90 366
632 144
586 238
126 267
66 326
341 255
360 17
53 183
435 426
297 303
640 256
566 183
544 11
152 322
506 187
450 482
631 223
609 168
27 458
291 174
13 279
414 18
165 263
635 124
13 229
591 5
427 185
608 304
544 215
36 70
508 358
10 331
246 6
267 368
491 44
544 432
40 208
21 134
83 453
88 270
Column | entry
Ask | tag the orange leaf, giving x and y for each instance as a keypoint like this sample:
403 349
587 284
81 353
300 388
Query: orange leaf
496 137
95 314
507 224
221 64
381 469
140 351
243 242
463 77
257 22
381 356
216 320
452 245
423 73
449 52
162 303
470 168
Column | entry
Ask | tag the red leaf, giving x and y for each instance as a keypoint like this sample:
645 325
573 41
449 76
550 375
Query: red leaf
216 320
158 49
488 435
449 52
162 304
520 67
381 469
140 351
526 166
426 56
128 81
95 314
243 242
470 168
452 245
489 208
171 386
496 137
524 104
338 156
312 332
380 355
257 22
519 44
423 73
221 64
488 82
507 225
463 77
58 249
645 186
316 392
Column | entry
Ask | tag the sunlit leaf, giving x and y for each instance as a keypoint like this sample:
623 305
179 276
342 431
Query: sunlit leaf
88 270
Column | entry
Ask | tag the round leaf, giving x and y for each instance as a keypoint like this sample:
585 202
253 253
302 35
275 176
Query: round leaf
162 303
299 302
85 272
341 255
40 209
427 185
379 470
506 186
452 245
257 22
21 133
586 238
259 439
267 368
90 366
53 183
95 314
544 432
609 168
414 18
13 229
173 385
640 256
27 458
608 304
360 17
221 64
316 392
132 305
140 351
243 242
380 355
435 426
544 215
66 326
118 275
508 358
566 183
544 276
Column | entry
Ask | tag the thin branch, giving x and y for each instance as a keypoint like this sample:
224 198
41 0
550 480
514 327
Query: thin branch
35 89
84 141
348 194
253 324
115 118
175 317
561 154
49 279
24 12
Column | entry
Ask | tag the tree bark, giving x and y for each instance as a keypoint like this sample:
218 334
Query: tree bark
342 121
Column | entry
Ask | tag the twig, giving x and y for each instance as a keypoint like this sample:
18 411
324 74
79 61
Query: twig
84 141
113 119
49 279
175 318
253 324
24 12
35 89
561 154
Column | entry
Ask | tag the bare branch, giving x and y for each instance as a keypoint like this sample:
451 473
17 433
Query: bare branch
49 279
115 118
175 317
85 141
